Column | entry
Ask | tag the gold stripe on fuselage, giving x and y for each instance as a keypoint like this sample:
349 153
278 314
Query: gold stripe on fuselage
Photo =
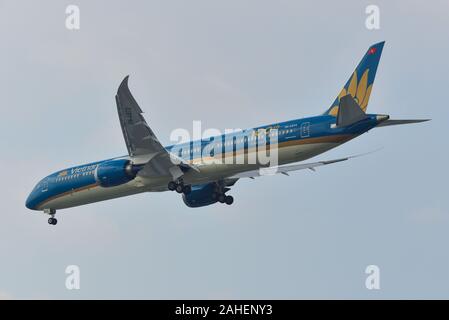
93 185
326 139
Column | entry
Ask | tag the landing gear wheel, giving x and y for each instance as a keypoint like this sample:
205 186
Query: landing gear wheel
179 188
229 200
171 186
187 189
52 221
221 198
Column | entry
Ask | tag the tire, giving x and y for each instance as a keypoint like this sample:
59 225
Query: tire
229 200
221 198
187 189
179 188
171 186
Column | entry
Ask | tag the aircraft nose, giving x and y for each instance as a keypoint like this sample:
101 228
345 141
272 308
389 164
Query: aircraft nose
29 203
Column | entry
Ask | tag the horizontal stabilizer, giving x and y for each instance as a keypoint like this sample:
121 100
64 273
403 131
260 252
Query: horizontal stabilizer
396 122
349 112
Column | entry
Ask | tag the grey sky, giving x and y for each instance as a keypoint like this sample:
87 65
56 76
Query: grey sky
229 64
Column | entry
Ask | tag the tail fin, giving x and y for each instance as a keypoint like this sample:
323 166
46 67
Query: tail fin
361 81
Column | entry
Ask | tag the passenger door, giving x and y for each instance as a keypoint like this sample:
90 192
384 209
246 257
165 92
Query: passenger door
305 130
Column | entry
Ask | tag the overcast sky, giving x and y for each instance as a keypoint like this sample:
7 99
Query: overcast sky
230 64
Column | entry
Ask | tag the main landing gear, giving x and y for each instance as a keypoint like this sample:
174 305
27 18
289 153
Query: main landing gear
220 196
52 220
179 187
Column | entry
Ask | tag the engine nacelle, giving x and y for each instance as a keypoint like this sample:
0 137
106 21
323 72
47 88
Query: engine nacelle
114 172
201 195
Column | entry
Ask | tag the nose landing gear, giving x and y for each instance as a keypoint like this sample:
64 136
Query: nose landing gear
52 220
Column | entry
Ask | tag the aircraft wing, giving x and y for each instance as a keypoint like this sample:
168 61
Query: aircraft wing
270 171
142 144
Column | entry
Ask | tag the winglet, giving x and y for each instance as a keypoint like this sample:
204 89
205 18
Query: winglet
123 84
123 93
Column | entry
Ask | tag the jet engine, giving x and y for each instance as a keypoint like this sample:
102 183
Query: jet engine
115 172
201 195
206 194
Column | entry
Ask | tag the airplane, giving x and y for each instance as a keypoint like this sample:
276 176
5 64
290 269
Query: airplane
190 168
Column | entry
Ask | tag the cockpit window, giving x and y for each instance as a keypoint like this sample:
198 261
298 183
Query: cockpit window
42 185
45 185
